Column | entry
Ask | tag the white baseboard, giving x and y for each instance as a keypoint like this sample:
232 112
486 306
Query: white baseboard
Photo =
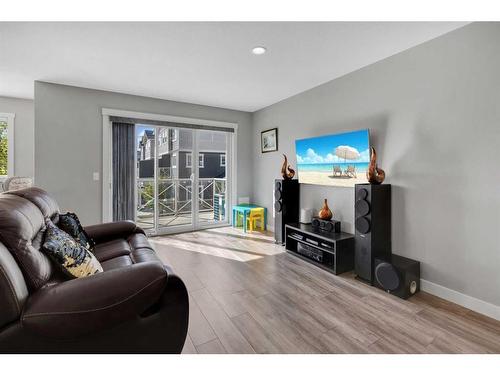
461 299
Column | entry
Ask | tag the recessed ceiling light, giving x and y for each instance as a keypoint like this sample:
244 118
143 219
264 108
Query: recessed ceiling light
259 50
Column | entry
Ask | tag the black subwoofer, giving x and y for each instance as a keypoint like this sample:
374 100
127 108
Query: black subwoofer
397 275
286 206
373 227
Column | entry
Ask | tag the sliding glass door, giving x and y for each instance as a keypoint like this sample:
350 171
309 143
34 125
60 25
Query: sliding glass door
145 177
212 147
174 181
181 179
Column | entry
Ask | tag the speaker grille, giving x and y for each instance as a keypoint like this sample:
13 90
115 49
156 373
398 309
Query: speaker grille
362 225
329 227
362 193
278 206
362 207
277 194
387 276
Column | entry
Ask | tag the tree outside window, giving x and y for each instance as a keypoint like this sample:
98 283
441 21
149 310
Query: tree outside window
4 144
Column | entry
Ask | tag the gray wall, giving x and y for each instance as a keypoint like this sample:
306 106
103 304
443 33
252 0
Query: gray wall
68 140
23 134
434 116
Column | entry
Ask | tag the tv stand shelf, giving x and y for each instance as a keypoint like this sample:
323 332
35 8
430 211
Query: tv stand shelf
333 252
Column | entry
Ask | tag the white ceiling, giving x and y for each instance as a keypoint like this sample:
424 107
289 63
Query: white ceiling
203 63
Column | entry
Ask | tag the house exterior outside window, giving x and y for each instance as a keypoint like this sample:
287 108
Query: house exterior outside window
175 158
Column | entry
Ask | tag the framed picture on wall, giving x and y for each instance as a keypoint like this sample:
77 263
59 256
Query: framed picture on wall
269 140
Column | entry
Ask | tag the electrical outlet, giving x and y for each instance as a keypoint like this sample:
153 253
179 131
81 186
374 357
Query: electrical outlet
95 176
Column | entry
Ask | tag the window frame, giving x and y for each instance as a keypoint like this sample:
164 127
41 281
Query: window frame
201 160
189 156
172 158
10 119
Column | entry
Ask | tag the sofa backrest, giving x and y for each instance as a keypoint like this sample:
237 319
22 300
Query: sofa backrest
22 226
40 198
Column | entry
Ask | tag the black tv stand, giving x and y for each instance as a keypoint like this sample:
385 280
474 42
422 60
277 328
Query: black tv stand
333 252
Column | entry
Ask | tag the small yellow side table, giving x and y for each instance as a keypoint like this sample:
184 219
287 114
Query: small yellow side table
256 215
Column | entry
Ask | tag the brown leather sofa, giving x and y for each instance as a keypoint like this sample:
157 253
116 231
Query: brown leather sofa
137 305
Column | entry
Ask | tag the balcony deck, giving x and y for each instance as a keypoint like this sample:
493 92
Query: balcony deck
145 220
174 201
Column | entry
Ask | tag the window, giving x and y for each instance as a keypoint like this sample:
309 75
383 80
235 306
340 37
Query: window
174 160
163 136
149 149
6 144
223 160
189 160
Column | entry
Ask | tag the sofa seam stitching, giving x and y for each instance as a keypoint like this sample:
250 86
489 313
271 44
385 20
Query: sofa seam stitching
94 310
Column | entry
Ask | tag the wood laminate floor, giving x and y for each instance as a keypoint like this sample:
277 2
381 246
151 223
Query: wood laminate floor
247 295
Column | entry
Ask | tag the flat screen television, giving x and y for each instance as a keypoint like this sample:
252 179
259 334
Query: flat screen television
334 160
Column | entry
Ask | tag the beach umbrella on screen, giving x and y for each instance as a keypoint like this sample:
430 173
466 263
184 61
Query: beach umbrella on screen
347 153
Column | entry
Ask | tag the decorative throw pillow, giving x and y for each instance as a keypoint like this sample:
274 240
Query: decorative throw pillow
74 259
70 223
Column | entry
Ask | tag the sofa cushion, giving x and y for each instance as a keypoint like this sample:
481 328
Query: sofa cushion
70 223
133 246
138 241
74 259
125 251
111 249
21 231
118 262
143 255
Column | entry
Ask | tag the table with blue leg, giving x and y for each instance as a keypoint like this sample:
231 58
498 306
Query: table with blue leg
244 210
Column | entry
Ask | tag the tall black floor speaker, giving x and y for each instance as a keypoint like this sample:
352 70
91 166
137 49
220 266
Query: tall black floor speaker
286 206
372 212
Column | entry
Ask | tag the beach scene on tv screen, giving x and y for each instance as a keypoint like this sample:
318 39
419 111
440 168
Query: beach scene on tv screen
335 160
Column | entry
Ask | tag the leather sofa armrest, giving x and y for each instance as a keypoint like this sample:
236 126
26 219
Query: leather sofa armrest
110 231
87 305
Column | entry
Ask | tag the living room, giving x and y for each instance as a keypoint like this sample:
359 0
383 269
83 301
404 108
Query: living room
250 188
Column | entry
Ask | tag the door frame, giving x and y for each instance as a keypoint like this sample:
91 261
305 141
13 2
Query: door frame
107 160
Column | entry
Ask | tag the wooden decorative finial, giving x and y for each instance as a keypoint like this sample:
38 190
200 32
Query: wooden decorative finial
374 174
287 175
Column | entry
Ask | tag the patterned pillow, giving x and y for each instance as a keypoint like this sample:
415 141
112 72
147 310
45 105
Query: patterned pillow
70 223
74 259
